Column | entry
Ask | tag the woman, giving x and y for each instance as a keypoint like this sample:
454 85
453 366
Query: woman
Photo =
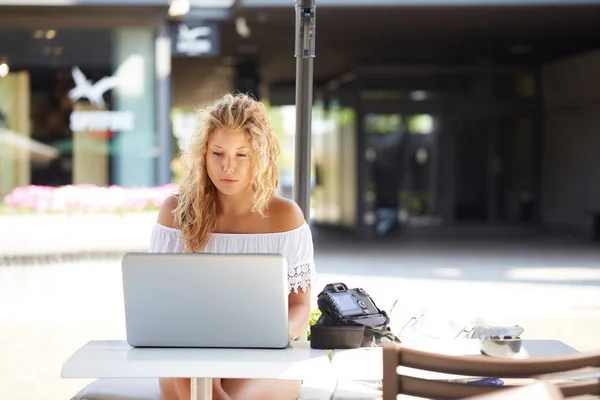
227 204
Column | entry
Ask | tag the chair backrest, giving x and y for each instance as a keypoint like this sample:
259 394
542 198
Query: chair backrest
395 356
537 391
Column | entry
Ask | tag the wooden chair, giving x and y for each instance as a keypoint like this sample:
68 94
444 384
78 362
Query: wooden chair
395 356
537 391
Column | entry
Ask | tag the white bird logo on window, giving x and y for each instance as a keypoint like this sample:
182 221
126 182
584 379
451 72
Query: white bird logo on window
187 34
94 92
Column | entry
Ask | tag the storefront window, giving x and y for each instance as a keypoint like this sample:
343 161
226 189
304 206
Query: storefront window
77 107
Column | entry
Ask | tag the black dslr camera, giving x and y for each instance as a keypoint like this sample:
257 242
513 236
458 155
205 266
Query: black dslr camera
349 319
339 304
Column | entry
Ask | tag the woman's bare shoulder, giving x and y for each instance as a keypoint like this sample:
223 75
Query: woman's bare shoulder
284 214
165 215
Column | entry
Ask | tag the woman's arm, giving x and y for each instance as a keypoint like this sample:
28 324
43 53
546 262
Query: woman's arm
299 312
285 216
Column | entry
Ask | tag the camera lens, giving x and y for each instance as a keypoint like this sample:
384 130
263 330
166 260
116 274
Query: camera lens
362 304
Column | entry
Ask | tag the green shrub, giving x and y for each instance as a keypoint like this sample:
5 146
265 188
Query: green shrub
314 316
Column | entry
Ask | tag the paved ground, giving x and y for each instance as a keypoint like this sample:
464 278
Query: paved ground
551 287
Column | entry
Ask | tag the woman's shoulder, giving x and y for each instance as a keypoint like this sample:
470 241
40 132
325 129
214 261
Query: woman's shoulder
165 238
284 215
165 215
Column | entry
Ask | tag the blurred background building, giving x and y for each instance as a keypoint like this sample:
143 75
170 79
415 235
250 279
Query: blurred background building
451 132
427 113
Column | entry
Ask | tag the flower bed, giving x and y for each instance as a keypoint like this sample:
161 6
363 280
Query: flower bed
75 199
77 219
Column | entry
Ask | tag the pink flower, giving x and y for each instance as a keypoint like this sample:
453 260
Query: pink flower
87 198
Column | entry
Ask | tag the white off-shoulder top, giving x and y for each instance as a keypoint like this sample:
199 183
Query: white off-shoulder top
295 245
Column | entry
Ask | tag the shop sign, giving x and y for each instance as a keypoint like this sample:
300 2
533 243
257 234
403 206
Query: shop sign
93 120
195 39
101 121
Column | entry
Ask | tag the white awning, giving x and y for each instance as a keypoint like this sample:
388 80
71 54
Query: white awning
36 149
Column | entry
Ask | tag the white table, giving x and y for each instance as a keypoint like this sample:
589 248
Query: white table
116 359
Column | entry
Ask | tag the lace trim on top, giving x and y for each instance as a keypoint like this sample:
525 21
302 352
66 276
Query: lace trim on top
300 277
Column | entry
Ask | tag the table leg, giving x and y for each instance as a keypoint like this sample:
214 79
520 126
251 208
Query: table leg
201 389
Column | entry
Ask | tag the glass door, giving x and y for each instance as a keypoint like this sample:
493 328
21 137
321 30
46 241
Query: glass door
401 184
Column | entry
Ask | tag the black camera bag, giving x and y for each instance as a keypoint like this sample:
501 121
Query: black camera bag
349 319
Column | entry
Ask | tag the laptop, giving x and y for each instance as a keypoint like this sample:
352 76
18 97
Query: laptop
206 300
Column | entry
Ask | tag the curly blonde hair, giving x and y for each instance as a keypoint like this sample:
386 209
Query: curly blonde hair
196 211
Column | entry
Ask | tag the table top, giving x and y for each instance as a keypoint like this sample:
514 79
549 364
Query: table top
367 363
117 359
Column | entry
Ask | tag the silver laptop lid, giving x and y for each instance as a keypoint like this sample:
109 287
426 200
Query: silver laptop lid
206 300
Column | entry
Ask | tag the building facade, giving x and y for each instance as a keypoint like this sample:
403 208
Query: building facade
89 83
470 112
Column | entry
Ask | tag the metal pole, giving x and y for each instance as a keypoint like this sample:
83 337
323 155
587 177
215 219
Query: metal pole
201 389
305 53
163 105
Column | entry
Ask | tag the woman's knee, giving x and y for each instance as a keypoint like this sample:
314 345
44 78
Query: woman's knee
180 389
261 389
174 388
